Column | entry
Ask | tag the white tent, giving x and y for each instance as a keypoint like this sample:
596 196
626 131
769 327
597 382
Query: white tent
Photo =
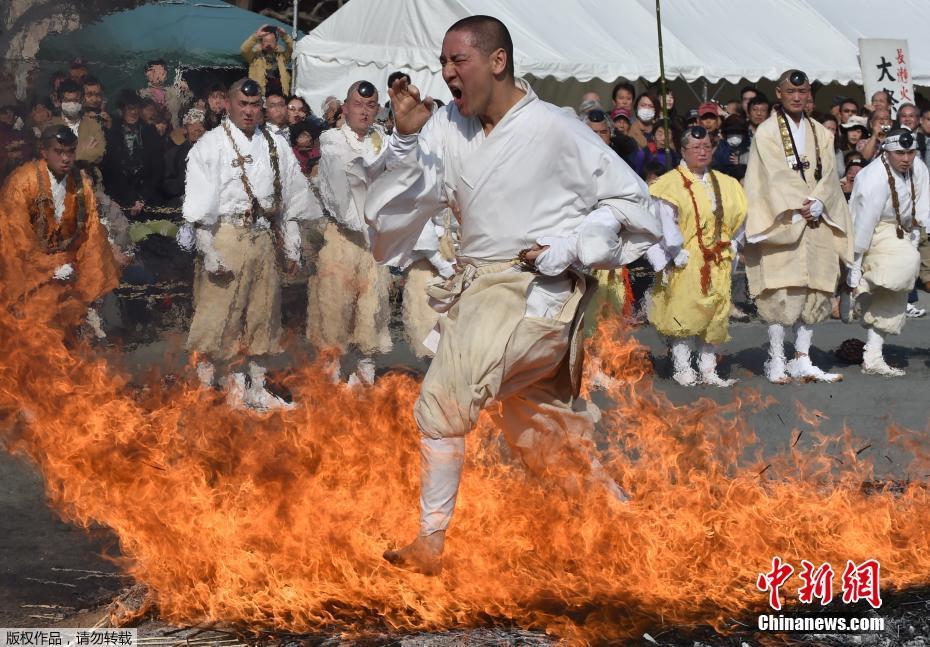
610 39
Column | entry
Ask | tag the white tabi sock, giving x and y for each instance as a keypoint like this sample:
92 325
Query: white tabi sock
681 362
441 462
802 339
206 373
873 361
707 365
257 396
775 365
366 370
801 367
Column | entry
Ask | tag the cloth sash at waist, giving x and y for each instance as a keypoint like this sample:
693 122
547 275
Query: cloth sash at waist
447 295
890 262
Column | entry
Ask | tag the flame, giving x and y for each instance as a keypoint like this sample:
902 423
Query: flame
278 522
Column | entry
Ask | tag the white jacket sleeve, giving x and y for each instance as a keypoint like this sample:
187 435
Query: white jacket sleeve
201 190
405 196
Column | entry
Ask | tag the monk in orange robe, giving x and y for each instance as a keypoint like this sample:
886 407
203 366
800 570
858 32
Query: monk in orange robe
55 258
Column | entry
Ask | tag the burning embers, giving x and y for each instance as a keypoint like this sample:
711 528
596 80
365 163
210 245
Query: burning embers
280 521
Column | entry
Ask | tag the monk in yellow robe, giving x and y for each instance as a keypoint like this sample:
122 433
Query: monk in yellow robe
702 215
56 258
797 229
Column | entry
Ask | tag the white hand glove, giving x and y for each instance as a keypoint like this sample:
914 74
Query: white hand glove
445 268
816 208
657 257
185 237
293 242
63 272
915 237
681 258
559 255
211 258
853 276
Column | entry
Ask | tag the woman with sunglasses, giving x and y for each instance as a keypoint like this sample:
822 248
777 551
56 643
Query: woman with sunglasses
691 301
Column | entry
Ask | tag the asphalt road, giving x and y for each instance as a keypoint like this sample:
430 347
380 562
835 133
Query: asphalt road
50 570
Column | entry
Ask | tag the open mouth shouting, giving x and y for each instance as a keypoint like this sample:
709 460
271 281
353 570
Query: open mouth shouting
457 97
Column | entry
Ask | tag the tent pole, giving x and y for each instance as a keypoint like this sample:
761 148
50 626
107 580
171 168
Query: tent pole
664 95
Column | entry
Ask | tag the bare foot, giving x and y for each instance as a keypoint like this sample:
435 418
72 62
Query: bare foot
422 555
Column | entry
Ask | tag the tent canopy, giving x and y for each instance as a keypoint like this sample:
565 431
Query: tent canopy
186 33
607 40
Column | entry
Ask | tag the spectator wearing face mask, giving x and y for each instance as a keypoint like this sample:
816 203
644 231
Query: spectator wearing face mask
732 152
91 145
645 113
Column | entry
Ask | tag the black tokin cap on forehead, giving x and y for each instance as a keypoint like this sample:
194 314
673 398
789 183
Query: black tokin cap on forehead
61 134
366 89
251 89
797 77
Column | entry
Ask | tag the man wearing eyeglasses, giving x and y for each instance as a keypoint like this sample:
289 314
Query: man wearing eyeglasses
798 228
538 196
57 258
703 213
250 195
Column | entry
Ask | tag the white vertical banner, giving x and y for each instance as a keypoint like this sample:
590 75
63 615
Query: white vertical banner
886 65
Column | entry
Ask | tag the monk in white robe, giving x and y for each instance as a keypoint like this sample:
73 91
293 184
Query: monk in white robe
531 183
245 195
797 228
889 203
348 297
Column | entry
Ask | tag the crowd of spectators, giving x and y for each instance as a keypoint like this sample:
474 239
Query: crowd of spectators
638 131
635 128
134 142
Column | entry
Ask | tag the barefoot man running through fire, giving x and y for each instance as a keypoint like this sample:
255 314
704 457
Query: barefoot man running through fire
541 197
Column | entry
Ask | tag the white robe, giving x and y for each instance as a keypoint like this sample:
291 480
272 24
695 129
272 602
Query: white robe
214 191
539 173
347 165
870 201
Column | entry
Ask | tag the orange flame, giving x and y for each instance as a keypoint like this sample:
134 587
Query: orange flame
278 521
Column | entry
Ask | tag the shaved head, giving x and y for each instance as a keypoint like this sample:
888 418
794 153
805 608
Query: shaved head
786 78
488 35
